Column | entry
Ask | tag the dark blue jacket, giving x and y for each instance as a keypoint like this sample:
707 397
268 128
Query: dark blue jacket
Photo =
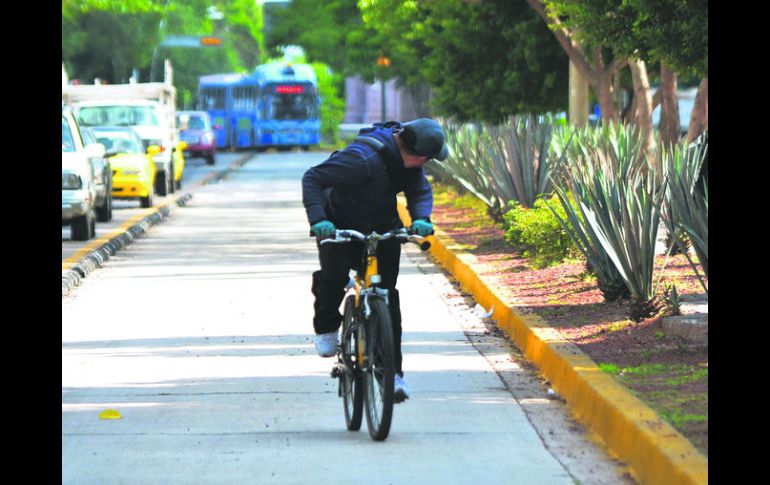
355 188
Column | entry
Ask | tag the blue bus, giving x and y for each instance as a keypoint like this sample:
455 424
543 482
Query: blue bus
288 107
244 112
215 95
275 106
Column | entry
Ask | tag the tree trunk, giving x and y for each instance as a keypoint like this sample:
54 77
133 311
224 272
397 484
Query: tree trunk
643 102
604 88
599 78
670 128
699 117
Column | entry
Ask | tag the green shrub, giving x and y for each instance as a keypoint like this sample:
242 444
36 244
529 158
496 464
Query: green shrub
537 232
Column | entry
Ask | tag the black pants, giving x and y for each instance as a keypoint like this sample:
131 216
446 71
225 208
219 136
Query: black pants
329 285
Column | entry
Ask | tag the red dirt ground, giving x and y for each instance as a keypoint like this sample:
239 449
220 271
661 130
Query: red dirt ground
667 373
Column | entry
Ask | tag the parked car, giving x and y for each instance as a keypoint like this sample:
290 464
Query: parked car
196 129
133 169
78 186
102 179
154 124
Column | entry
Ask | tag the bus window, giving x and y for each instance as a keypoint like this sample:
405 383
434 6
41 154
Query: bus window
212 99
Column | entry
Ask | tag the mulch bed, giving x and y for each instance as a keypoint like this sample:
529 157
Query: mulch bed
667 373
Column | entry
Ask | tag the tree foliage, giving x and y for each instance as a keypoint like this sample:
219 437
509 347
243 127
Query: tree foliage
673 32
108 39
491 59
327 31
483 60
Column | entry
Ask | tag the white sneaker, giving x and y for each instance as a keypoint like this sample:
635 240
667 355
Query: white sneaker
401 389
326 344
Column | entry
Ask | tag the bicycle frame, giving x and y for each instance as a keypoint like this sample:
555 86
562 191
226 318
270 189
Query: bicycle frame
367 285
365 361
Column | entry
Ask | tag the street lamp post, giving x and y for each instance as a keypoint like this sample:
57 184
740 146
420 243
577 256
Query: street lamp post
383 62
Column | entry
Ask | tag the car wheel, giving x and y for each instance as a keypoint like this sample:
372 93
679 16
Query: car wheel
83 228
210 159
146 202
104 213
161 183
171 181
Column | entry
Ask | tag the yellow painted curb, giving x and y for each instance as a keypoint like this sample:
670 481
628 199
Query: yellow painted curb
655 452
96 243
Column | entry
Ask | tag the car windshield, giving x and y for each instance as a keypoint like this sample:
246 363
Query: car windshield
67 142
196 123
118 142
117 116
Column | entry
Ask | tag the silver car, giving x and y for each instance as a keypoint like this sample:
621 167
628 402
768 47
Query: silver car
102 178
78 194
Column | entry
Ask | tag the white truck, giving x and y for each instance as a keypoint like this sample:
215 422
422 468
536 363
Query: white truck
150 108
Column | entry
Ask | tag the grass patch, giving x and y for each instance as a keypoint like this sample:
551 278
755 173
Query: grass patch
611 369
678 418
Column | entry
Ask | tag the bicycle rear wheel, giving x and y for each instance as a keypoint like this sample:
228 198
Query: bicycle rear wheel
351 380
379 370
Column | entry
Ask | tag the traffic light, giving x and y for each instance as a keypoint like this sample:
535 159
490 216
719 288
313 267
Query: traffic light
211 41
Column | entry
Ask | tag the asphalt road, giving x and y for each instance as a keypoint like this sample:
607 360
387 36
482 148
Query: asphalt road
199 337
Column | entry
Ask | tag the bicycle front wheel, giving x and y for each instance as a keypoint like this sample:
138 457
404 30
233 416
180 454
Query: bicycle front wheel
351 380
379 367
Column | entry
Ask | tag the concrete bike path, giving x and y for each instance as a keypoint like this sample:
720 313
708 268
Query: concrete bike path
218 381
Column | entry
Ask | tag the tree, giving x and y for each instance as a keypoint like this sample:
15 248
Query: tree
671 33
327 31
110 38
107 45
482 60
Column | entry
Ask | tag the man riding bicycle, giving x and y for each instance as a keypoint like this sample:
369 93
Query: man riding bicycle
356 188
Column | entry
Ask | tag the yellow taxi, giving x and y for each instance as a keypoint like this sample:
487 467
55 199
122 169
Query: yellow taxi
133 169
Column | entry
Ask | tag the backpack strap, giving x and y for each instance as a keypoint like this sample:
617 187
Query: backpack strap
373 142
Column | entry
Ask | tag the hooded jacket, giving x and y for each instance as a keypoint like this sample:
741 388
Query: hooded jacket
356 188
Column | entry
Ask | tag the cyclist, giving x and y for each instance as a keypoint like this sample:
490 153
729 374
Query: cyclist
356 188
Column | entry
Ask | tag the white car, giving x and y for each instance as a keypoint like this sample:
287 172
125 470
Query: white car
150 119
78 185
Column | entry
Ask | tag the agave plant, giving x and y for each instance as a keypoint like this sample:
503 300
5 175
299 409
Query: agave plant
610 282
619 196
512 161
685 211
467 164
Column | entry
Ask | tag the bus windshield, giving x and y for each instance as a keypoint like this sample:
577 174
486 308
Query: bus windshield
292 106
117 116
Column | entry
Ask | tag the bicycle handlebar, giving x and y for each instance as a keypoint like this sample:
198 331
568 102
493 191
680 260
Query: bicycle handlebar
403 235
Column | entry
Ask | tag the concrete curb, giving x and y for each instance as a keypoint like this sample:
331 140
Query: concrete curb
631 431
72 276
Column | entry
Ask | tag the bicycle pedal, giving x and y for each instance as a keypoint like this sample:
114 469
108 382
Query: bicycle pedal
337 371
